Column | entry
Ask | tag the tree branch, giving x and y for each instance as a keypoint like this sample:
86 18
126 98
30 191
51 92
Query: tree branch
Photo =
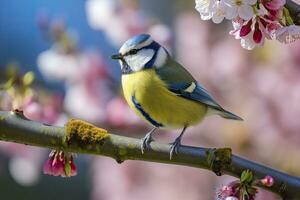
294 10
81 137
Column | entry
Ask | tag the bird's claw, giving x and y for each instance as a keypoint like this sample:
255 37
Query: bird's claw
146 142
174 147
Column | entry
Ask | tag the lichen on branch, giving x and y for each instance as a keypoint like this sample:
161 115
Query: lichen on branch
83 133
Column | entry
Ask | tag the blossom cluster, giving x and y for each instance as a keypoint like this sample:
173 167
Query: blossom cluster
243 189
253 20
60 163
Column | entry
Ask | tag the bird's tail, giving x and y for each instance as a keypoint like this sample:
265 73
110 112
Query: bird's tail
225 114
229 115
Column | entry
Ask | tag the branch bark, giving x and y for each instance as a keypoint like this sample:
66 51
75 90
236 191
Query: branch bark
81 137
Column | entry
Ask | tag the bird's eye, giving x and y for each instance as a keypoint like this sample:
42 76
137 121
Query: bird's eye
132 51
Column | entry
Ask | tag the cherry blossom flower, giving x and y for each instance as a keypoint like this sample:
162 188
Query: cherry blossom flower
253 20
241 8
204 8
228 191
273 4
231 198
267 181
254 31
117 19
219 9
288 34
61 164
245 32
213 9
33 110
242 189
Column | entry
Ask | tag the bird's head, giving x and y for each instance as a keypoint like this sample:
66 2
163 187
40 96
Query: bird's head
140 52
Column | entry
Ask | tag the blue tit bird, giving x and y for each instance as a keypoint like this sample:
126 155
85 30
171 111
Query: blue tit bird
161 91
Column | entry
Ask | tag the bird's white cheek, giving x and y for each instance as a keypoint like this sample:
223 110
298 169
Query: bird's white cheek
139 60
121 64
161 57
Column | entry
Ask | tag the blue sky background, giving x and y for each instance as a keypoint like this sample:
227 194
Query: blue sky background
21 39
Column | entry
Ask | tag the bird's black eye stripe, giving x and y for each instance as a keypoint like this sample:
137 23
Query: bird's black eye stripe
133 51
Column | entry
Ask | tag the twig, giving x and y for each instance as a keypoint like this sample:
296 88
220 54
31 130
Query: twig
81 137
294 10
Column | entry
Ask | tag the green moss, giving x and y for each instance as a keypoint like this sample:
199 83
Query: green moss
84 134
53 141
131 146
2 118
122 151
219 159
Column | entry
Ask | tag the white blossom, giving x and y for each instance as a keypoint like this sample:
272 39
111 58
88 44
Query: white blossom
241 8
204 7
247 42
212 9
57 66
100 13
219 12
231 198
288 34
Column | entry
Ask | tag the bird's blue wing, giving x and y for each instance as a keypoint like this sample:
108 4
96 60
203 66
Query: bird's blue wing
181 82
194 91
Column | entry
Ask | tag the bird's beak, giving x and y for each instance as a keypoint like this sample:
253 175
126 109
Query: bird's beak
117 56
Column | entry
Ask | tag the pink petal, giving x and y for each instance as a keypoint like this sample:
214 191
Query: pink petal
47 168
267 181
73 169
257 35
246 29
274 14
274 4
58 169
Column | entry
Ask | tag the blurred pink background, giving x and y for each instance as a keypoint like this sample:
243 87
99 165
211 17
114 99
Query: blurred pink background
262 86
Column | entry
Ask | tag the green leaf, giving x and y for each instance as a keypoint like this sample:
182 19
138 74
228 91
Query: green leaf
8 84
28 78
288 18
68 169
246 177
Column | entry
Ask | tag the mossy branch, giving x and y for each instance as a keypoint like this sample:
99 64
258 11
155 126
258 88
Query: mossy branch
82 137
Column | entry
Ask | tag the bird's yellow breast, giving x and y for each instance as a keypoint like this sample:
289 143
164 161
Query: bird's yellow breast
158 102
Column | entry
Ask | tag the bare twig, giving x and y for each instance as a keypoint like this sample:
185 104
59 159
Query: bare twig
81 137
294 10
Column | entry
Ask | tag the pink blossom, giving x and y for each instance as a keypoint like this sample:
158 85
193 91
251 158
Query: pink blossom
253 32
236 191
267 181
33 111
257 35
54 167
273 4
60 164
274 15
246 29
230 190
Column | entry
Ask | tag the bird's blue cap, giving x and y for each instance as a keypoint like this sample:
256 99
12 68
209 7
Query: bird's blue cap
135 41
138 39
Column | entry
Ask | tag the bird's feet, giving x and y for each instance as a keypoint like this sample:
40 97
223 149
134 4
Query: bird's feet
174 147
146 141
